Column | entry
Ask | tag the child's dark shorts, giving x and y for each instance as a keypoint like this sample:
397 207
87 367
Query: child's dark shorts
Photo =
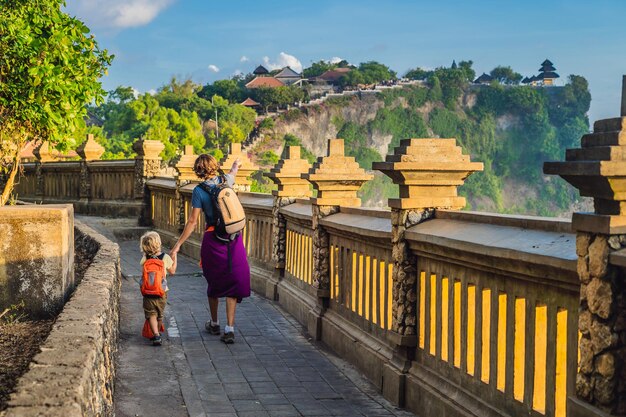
154 306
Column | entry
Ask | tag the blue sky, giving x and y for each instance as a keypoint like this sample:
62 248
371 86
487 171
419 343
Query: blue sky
156 39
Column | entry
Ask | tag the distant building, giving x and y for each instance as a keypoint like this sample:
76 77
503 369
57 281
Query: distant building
288 76
454 66
250 103
546 76
331 76
261 71
484 79
547 73
261 81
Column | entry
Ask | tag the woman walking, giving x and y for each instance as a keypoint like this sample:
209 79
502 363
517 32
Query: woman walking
224 265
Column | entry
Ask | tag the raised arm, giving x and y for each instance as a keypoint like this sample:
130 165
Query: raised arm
191 224
235 167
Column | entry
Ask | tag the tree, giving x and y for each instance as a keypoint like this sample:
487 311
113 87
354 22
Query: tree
506 75
318 68
435 93
418 74
468 71
370 72
49 71
228 89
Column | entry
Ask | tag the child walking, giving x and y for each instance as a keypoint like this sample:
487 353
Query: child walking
155 266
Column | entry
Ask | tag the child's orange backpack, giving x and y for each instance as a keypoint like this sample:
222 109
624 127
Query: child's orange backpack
152 277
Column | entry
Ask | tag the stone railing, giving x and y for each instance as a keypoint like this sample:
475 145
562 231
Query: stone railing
93 186
447 312
497 300
73 375
497 314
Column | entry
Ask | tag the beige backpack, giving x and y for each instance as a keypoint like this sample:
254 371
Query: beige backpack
230 218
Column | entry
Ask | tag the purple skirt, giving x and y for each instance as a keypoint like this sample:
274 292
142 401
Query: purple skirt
225 280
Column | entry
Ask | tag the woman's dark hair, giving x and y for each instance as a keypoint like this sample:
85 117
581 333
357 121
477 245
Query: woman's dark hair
206 166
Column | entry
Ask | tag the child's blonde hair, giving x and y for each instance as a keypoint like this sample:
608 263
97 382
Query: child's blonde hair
150 243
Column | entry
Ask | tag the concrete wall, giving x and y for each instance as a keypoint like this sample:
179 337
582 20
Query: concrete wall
73 375
36 257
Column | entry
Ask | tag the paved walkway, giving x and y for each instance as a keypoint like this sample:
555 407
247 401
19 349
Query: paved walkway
273 369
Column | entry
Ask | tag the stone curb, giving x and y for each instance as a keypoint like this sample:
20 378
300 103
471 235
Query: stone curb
74 373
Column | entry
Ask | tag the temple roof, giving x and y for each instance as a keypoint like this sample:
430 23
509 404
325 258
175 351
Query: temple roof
287 72
333 75
547 68
485 78
526 80
250 103
548 74
260 70
270 82
547 62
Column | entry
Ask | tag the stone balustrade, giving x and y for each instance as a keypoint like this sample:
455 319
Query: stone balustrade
94 186
485 322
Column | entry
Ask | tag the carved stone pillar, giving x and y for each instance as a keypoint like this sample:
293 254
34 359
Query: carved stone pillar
242 180
287 174
428 172
184 168
598 170
337 178
147 165
90 150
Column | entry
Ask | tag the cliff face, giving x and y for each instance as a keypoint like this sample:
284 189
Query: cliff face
509 138
316 124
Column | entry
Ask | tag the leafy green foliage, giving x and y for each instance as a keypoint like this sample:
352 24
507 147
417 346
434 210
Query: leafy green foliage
506 75
418 74
355 139
415 96
400 123
370 72
231 90
174 116
293 140
320 67
268 158
49 70
266 124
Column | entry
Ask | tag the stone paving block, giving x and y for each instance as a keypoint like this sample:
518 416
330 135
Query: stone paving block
213 407
276 398
247 405
265 388
256 413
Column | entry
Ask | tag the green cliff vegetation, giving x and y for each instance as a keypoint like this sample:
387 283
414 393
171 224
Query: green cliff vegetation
512 130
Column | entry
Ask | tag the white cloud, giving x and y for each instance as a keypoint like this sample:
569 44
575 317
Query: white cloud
213 68
152 92
237 72
136 93
335 60
117 13
244 59
284 60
